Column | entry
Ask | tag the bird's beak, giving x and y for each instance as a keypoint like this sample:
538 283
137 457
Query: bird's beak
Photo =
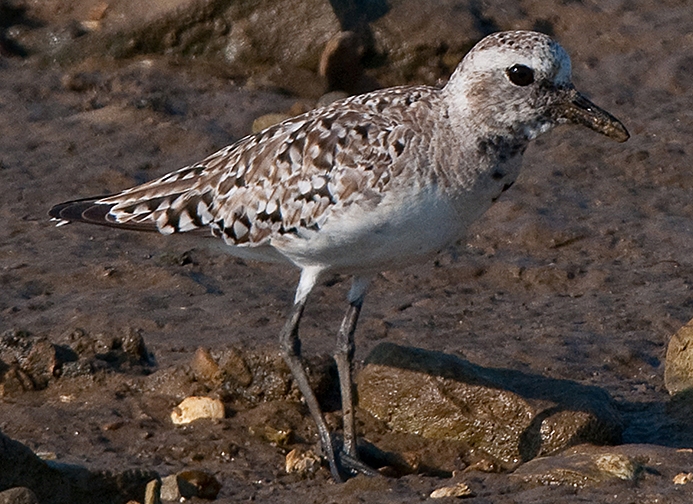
575 108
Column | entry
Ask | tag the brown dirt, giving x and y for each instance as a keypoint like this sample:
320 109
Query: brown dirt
582 271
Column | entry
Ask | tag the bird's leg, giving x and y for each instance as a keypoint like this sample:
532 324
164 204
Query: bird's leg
290 345
291 351
344 355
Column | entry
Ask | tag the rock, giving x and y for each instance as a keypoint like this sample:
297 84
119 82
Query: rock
206 486
460 489
18 495
194 407
13 380
170 492
251 377
404 34
174 382
234 368
55 483
587 465
509 415
678 371
683 478
330 97
20 467
204 367
132 344
188 484
82 353
281 50
152 492
277 437
579 470
32 357
267 120
303 462
340 64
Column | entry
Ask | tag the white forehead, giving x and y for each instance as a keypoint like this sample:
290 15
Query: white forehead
535 50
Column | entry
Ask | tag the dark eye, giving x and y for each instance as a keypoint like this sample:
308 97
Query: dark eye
520 75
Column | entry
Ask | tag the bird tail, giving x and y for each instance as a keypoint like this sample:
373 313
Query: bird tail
91 211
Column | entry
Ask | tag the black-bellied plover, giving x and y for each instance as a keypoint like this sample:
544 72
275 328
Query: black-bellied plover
366 184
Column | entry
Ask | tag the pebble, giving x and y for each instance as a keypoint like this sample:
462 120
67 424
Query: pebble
267 120
683 478
678 371
18 495
340 62
195 407
152 492
302 461
188 484
458 490
204 366
331 97
170 492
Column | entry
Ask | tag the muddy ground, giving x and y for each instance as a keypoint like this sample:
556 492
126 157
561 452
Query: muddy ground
582 271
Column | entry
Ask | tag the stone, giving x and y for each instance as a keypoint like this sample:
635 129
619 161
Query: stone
13 380
57 483
340 64
234 367
33 357
683 478
18 495
204 367
152 492
578 470
509 415
678 371
587 466
170 492
132 343
267 120
276 437
81 353
330 97
206 485
195 407
251 377
285 50
188 484
460 489
303 462
582 466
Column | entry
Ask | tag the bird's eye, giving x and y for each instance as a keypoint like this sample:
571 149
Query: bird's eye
520 75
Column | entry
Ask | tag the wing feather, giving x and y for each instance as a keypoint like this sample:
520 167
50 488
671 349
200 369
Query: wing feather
285 179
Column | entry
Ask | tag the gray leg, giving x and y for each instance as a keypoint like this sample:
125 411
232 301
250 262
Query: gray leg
291 351
344 355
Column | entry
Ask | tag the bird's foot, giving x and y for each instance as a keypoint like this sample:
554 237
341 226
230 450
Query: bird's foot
352 466
346 464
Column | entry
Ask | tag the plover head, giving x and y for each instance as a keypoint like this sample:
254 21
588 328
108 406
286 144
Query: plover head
518 84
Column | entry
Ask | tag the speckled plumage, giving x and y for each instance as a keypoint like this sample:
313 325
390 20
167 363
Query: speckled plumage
346 170
369 183
290 177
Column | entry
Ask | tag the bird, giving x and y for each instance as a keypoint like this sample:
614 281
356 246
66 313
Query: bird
369 183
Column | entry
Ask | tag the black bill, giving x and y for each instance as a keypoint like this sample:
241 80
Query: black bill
577 109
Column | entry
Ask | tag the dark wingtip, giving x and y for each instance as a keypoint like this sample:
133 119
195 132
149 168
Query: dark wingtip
81 210
87 210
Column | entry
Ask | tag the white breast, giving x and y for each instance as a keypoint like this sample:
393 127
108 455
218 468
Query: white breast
404 228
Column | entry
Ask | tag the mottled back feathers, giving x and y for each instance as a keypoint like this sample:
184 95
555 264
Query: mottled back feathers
286 179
